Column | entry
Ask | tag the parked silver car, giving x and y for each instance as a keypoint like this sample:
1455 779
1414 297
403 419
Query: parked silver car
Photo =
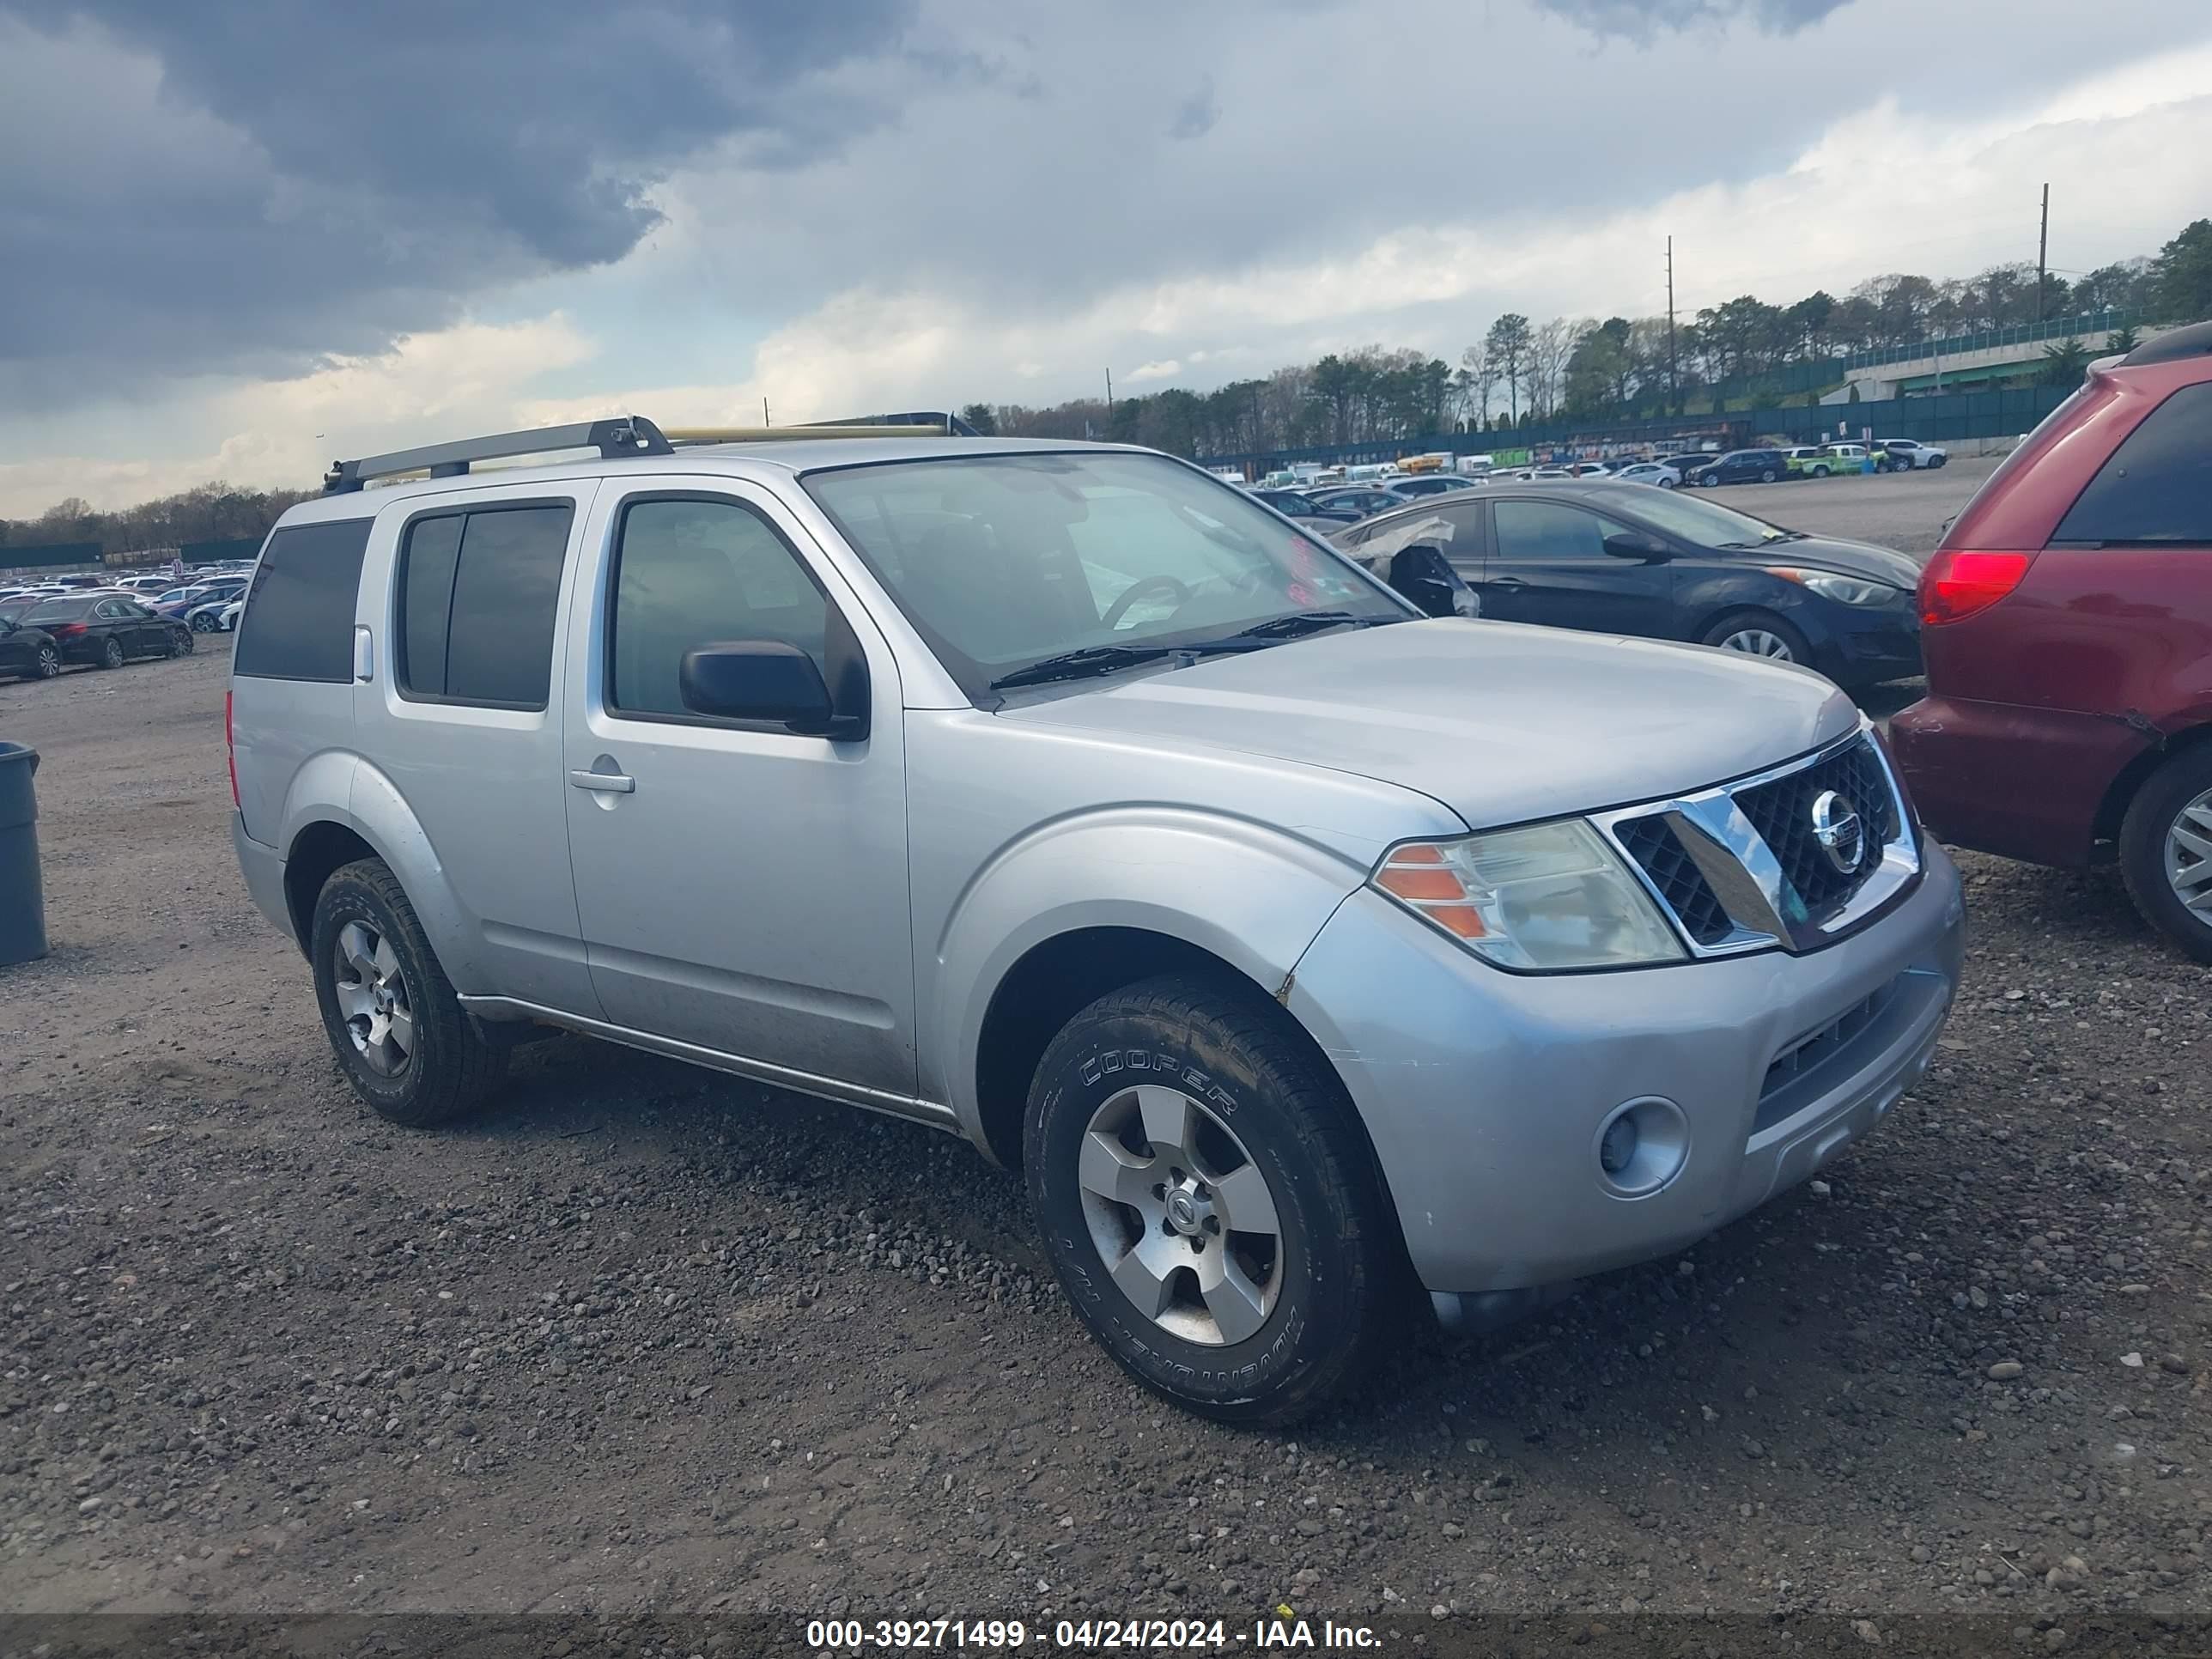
1063 797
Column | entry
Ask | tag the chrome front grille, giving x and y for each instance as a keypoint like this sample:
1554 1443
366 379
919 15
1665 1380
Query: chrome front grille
1745 865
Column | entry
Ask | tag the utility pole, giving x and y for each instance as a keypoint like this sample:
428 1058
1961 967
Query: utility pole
2042 253
764 419
1674 381
1110 397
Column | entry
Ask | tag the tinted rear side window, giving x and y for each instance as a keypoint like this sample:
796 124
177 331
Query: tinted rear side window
298 624
2157 486
478 593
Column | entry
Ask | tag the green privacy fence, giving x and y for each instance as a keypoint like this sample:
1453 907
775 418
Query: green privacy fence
237 547
1952 417
47 555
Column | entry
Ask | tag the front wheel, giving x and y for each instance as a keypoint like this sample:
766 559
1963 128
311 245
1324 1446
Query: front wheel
1767 474
2166 851
1759 634
50 663
1709 482
111 654
1666 483
400 1035
1820 471
1209 1199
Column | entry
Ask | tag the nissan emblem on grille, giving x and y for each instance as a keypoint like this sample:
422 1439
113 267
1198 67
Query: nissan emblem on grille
1836 827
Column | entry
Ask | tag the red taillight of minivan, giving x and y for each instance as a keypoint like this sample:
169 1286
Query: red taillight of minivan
230 755
1956 585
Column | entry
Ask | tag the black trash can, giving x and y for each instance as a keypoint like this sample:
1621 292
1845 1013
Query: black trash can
22 904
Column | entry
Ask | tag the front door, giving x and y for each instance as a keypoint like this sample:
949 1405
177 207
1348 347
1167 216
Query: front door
1547 563
741 887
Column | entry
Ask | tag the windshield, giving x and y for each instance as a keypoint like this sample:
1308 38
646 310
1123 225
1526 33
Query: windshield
1706 523
1003 561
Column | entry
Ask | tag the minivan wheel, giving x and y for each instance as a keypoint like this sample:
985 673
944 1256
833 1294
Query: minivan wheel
2166 851
1759 634
1208 1201
400 1034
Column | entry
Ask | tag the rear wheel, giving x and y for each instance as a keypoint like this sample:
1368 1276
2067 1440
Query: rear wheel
2166 851
202 623
1818 471
1767 474
1759 634
50 662
1208 1201
400 1035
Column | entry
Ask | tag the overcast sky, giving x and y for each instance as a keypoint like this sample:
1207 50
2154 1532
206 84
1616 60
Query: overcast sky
243 238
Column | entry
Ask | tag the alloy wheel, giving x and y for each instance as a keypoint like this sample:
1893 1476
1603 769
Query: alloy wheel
1181 1215
2189 857
50 662
372 995
1758 642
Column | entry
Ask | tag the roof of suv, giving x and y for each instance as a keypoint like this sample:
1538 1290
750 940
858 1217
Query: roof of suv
746 459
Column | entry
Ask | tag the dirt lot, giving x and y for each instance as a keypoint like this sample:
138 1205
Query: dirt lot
645 1336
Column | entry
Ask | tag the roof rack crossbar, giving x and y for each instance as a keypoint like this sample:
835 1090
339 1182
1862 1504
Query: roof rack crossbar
622 435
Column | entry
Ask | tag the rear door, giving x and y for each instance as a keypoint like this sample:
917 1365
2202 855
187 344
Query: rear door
1547 564
461 715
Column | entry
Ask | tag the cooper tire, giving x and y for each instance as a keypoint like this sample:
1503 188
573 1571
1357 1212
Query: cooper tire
1221 1048
449 1069
2162 851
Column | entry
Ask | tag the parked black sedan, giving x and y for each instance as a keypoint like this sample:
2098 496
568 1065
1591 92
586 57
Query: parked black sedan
1615 558
27 653
107 629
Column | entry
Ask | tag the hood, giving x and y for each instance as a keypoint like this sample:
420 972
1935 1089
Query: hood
1502 723
1845 558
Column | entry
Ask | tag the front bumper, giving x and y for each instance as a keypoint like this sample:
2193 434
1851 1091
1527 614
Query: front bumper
1866 645
1484 1093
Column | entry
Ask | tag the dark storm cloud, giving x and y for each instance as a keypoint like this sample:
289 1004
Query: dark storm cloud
1639 20
303 179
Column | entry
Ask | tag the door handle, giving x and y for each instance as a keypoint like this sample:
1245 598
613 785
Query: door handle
1507 581
610 783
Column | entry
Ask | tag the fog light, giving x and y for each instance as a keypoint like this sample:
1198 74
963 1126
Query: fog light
1617 1145
1641 1146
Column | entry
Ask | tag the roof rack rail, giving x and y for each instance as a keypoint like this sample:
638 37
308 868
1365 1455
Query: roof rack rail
941 420
2194 340
622 435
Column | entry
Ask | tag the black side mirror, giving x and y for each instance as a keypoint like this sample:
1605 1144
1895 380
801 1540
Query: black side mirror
1639 545
763 680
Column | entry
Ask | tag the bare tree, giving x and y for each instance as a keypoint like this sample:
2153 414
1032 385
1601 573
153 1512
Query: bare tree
1482 375
1549 348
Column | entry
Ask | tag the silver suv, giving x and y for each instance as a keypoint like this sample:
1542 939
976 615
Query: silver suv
1061 797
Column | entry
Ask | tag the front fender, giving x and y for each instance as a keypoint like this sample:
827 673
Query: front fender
1250 894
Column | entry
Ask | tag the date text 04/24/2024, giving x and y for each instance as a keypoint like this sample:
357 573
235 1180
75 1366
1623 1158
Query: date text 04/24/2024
1100 1635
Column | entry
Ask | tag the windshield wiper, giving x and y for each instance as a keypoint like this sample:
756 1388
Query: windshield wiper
1079 664
1297 622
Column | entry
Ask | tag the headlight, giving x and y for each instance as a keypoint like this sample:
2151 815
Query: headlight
1845 590
1548 897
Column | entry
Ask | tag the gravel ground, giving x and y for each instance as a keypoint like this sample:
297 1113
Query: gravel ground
643 1336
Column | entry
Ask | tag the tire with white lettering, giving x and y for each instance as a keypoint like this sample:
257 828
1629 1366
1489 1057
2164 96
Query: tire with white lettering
1209 1200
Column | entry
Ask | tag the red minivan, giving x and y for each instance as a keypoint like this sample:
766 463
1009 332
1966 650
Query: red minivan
2067 624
